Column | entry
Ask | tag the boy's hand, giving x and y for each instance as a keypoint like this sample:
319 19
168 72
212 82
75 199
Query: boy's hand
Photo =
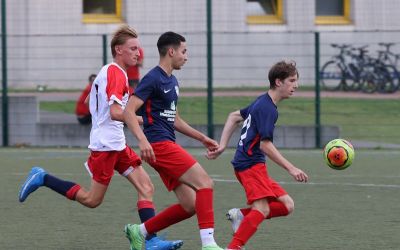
298 174
210 144
146 151
213 154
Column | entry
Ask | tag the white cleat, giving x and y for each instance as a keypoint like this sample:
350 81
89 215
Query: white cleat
235 216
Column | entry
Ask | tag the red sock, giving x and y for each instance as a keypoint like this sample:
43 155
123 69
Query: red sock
166 218
245 211
204 208
246 229
276 209
145 204
71 193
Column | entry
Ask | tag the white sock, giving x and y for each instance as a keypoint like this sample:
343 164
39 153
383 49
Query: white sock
143 230
207 237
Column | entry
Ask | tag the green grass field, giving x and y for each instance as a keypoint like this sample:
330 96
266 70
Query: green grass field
358 119
352 209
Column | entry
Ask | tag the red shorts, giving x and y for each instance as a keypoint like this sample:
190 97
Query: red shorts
258 184
172 161
101 164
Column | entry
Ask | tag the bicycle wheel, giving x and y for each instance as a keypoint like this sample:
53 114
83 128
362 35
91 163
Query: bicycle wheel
391 80
331 76
351 80
369 82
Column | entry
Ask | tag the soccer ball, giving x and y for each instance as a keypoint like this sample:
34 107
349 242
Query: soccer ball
339 154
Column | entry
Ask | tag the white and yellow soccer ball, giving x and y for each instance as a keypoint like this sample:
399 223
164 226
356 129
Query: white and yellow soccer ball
339 154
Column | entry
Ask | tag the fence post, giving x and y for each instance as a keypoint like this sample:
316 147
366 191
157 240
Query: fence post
317 94
4 73
105 60
210 122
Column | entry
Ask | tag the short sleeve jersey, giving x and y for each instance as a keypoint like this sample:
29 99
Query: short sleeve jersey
110 85
259 124
159 92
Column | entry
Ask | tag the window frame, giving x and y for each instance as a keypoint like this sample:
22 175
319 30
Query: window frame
268 19
336 20
105 18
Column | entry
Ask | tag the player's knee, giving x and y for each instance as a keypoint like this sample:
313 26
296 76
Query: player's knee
289 206
206 182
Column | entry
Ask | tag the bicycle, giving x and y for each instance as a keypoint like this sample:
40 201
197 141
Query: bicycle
346 71
390 60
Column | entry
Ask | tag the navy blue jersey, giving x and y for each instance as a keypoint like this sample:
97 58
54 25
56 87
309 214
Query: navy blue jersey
159 92
259 124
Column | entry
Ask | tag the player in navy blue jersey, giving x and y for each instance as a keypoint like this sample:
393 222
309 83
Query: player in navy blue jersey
265 196
156 99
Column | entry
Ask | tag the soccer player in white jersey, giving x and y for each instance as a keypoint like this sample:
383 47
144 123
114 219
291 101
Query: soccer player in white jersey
108 149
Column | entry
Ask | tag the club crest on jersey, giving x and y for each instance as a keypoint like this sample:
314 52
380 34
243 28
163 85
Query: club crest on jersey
177 90
173 107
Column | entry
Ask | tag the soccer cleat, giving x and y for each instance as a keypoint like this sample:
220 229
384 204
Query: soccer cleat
135 237
34 180
212 247
157 243
235 216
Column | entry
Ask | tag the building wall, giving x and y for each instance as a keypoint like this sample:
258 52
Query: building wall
49 44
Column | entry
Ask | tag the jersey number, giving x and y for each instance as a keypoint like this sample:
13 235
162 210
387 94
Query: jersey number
246 126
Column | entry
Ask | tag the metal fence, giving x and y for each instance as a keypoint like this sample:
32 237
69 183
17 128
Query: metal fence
240 61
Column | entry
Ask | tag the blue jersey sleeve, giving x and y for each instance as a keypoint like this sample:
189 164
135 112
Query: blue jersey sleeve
265 121
244 112
145 88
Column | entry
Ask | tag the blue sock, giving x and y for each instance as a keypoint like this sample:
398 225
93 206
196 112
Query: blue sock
145 214
58 185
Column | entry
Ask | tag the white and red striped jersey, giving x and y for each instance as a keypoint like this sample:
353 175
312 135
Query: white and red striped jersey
110 85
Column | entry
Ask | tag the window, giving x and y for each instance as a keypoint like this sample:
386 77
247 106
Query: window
264 11
332 12
102 11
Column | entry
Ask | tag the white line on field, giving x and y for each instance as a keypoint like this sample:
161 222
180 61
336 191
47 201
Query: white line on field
324 183
280 182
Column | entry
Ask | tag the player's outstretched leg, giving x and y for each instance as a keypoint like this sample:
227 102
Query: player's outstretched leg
34 180
135 237
235 216
157 243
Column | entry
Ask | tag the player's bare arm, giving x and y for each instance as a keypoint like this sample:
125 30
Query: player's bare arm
140 119
132 121
232 122
184 128
116 112
272 152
